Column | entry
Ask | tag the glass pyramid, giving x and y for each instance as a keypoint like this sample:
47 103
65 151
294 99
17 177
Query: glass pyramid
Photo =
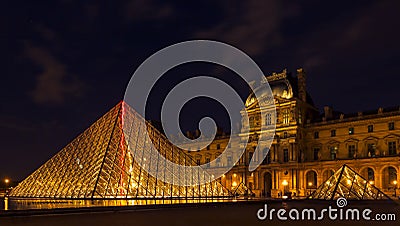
346 183
99 165
242 190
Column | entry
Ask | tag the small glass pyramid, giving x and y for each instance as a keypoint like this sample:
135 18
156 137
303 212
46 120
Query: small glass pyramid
346 183
98 164
242 190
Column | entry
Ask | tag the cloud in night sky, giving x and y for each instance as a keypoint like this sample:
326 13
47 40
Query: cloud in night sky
54 84
146 10
252 26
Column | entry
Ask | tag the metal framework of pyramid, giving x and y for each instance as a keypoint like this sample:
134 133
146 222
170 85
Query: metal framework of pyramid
347 183
99 165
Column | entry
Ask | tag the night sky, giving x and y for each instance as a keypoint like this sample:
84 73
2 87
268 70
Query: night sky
65 63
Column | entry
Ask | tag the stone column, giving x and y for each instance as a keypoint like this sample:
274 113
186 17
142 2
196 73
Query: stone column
378 178
294 151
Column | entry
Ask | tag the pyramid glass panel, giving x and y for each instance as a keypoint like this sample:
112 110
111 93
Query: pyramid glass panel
99 164
348 184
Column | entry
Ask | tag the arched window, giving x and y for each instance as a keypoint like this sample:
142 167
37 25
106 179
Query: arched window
368 174
311 179
389 177
371 175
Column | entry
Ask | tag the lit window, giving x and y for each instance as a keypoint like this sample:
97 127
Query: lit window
370 128
285 135
351 130
286 116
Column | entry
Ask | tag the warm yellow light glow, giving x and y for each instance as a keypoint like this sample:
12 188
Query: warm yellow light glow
395 182
223 175
234 184
371 182
348 182
6 181
284 182
234 175
309 184
252 174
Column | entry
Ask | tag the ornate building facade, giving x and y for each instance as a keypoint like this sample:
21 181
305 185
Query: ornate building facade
308 147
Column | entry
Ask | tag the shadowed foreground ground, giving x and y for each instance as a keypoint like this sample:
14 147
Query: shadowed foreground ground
239 213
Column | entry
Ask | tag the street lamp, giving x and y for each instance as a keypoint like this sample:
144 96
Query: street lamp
284 183
309 187
6 181
395 187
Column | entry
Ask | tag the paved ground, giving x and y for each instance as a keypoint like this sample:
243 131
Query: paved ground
240 213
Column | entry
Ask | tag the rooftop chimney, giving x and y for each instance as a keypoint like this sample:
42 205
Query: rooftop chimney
328 112
301 77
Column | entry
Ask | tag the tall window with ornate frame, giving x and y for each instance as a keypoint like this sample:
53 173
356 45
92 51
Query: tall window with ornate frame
352 150
286 116
392 147
268 119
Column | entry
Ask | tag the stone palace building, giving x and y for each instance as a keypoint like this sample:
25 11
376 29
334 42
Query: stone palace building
309 146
